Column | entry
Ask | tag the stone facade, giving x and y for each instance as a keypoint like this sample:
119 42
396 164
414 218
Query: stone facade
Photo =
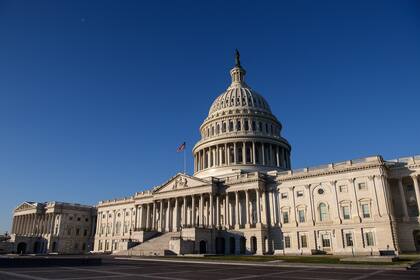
244 199
53 227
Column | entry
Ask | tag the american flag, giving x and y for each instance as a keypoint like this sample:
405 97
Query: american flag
181 147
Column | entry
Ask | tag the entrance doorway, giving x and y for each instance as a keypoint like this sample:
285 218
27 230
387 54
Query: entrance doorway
242 245
203 247
21 248
253 244
220 245
416 236
232 247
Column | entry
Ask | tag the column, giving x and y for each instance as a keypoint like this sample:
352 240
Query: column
247 225
160 222
257 198
416 189
211 216
184 219
352 183
264 207
235 159
154 223
277 156
148 216
236 210
167 218
201 211
176 216
244 153
254 159
403 201
218 211
226 154
271 207
275 208
337 206
311 202
226 203
140 213
193 220
263 153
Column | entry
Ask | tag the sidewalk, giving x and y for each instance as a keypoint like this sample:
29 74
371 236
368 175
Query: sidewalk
267 264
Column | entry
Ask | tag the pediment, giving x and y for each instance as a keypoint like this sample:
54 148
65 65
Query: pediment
181 181
26 206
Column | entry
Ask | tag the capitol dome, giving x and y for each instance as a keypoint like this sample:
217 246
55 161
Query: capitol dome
240 134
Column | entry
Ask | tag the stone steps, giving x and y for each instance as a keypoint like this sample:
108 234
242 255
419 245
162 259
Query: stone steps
156 246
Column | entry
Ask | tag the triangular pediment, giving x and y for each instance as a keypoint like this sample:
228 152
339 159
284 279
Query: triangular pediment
181 181
27 205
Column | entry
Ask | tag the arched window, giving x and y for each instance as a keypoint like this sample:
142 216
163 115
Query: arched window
224 127
238 125
323 212
230 125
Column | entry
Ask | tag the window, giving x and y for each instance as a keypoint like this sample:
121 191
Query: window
230 125
253 126
343 188
287 242
246 125
323 212
224 127
77 231
76 246
369 239
78 219
70 218
303 241
299 193
326 240
346 212
283 195
84 246
301 214
320 191
362 186
349 239
238 125
69 231
86 220
285 217
365 210
85 232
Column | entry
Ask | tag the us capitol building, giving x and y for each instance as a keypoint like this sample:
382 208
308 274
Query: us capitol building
244 198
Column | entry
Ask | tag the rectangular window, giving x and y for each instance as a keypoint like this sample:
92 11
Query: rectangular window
346 212
349 239
326 241
369 239
284 195
287 242
343 188
301 214
303 241
285 217
362 186
365 210
299 193
85 232
77 231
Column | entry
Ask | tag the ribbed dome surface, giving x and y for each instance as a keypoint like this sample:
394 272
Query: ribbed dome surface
239 96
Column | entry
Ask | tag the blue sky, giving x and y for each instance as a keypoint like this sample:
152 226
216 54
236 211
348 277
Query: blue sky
95 96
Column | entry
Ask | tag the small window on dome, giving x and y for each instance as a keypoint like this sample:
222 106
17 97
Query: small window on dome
238 125
230 125
246 125
253 125
224 127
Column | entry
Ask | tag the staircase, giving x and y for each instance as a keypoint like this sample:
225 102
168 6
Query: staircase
156 246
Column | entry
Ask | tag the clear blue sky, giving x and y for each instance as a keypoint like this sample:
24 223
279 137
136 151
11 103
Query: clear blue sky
95 96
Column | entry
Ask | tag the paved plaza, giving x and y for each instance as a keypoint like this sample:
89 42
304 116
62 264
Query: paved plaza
138 269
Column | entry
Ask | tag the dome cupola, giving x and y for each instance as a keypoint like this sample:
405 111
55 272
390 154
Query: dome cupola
240 133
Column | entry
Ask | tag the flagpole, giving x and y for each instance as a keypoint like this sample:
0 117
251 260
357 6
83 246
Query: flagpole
185 163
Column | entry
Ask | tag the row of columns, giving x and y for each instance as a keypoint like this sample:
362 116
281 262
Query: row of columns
33 224
242 153
205 210
240 125
414 177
